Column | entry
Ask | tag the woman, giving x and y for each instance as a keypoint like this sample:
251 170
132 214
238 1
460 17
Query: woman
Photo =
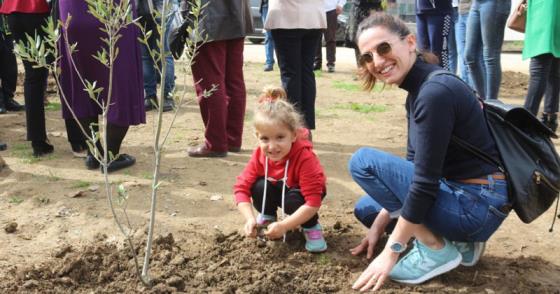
127 97
296 28
542 46
433 27
439 194
26 17
485 28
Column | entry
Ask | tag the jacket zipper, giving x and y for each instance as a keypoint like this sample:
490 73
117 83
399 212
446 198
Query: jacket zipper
539 177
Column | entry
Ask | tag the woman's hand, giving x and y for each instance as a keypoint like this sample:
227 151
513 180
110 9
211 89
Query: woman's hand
250 228
377 272
367 243
275 230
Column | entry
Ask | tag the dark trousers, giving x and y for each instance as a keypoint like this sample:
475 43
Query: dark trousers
330 41
545 78
35 82
220 63
295 50
8 68
293 200
433 35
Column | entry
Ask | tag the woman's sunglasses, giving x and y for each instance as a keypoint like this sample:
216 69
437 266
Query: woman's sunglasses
382 49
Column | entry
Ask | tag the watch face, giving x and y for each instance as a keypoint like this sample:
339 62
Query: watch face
397 247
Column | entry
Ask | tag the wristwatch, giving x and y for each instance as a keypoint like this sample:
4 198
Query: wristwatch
397 247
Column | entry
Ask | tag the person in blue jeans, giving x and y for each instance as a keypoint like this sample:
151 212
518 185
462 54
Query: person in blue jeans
149 66
433 25
448 201
460 39
485 29
268 41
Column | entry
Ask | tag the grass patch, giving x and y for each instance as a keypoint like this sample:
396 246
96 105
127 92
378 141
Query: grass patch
147 175
324 259
362 107
347 86
81 184
53 106
24 153
318 73
15 200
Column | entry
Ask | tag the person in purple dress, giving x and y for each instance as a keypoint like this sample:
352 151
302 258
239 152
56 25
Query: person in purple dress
127 97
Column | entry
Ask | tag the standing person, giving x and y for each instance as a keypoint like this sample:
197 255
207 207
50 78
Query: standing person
359 10
447 199
219 63
26 17
460 38
150 68
452 39
333 8
433 26
8 71
268 40
485 29
296 28
126 106
542 46
283 172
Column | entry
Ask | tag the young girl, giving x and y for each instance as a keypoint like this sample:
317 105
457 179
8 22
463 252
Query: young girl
283 172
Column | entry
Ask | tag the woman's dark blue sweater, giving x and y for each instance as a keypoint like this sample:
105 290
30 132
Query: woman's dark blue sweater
436 110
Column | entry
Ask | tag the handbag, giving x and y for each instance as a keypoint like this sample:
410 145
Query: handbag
516 21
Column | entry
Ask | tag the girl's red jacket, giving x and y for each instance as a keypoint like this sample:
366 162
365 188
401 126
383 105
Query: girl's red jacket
304 172
24 6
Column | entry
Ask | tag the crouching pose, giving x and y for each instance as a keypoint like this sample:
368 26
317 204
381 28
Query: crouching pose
282 172
445 198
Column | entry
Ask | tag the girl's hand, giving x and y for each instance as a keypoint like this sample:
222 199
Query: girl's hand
377 272
250 228
367 243
275 230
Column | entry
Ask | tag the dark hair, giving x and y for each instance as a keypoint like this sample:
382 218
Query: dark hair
394 25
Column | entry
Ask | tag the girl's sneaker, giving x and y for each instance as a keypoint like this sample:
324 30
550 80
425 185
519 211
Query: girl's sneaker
264 220
314 241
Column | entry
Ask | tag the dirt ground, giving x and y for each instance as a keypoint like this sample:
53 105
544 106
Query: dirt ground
57 234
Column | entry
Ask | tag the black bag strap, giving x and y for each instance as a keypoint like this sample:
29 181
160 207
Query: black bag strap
460 142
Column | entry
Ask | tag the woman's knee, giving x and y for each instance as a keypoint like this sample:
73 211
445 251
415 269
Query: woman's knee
361 158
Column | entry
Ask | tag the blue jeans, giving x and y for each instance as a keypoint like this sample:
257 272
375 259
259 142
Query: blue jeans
149 68
268 41
485 28
453 56
461 212
545 74
460 34
432 33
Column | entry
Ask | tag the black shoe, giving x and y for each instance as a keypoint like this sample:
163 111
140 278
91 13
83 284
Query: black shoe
330 68
123 161
168 104
91 162
268 67
550 120
13 105
41 148
2 106
3 146
150 103
317 66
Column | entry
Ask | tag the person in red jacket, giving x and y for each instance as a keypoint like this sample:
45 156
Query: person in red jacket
282 172
26 17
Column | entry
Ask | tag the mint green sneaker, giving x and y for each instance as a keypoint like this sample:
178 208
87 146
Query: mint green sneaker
314 241
470 252
423 263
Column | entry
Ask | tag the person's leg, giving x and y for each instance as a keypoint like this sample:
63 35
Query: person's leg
539 71
308 85
288 51
272 199
169 82
35 82
318 60
209 69
236 94
452 42
439 27
422 35
76 137
268 42
493 17
460 33
8 72
473 46
148 65
330 39
551 97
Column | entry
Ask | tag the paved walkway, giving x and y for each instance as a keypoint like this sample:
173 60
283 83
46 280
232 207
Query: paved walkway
345 60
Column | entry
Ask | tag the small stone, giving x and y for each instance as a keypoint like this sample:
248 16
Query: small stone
176 282
202 183
93 188
489 291
11 227
178 260
30 284
76 194
216 197
62 251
